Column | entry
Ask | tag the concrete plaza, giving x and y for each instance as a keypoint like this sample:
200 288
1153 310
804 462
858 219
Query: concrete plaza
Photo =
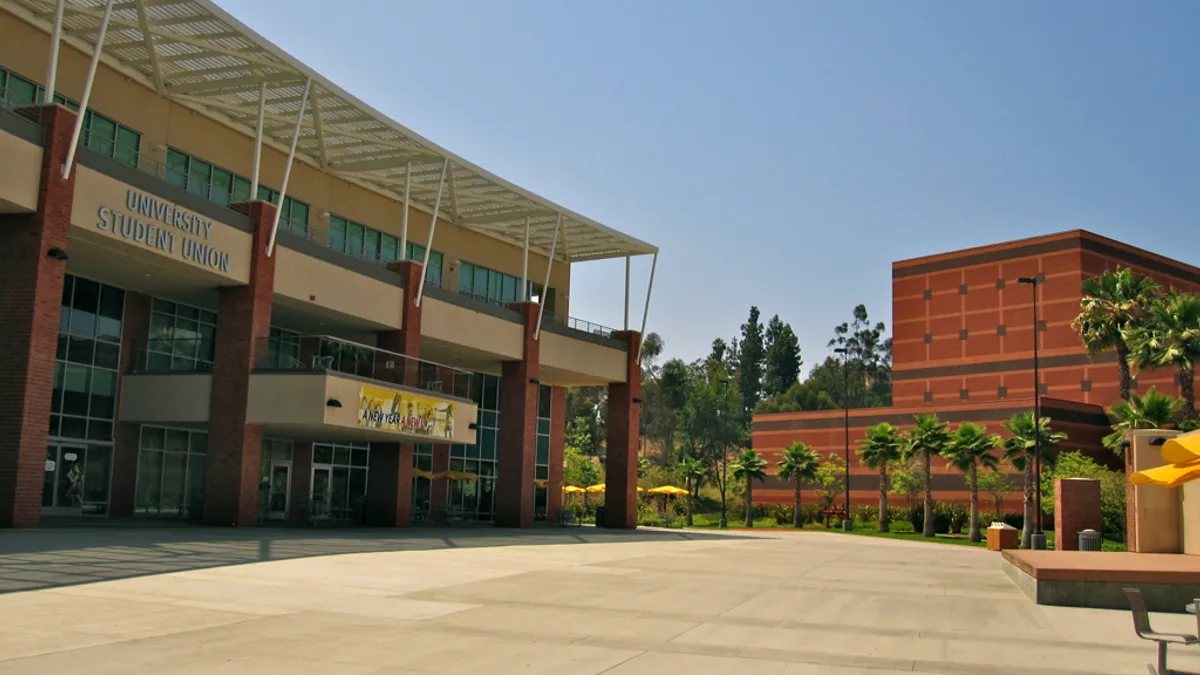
180 600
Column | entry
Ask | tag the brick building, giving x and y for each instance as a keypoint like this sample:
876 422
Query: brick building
963 347
233 293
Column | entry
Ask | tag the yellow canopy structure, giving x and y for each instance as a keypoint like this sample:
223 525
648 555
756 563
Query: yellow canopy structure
422 473
571 489
1182 455
667 490
455 475
599 487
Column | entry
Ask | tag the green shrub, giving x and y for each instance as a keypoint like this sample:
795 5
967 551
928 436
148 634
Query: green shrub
1112 488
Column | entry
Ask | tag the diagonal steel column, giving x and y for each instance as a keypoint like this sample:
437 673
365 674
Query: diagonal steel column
87 89
287 170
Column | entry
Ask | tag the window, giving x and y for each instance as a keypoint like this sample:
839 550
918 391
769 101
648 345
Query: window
476 499
433 275
83 402
182 337
170 479
283 349
489 285
422 487
339 479
100 134
541 461
225 187
358 240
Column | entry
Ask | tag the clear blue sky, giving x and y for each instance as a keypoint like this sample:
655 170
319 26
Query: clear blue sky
783 153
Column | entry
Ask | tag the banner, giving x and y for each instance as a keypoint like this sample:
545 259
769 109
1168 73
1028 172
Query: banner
404 412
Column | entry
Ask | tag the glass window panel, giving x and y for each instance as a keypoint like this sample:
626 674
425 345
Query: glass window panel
281 451
104 393
341 456
298 216
222 186
102 135
73 427
358 484
129 144
543 401
76 381
510 288
322 454
354 239
80 350
64 316
174 483
434 273
543 427
541 473
266 194
195 481
163 306
109 314
241 189
491 392
21 91
490 419
108 355
387 247
371 244
177 440
55 422
153 438
337 234
96 474
198 442
358 457
84 306
99 430
543 450
487 443
149 480
187 311
56 397
473 451
495 285
61 351
466 277
199 176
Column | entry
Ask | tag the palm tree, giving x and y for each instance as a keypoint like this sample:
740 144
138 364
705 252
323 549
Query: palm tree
930 437
1151 411
1169 335
1112 302
692 471
799 464
878 450
971 448
750 466
1019 451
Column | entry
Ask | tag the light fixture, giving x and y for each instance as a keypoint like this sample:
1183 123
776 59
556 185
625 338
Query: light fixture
333 403
57 254
472 426
637 400
534 380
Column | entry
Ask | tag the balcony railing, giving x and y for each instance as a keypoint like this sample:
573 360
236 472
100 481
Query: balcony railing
579 324
323 353
172 355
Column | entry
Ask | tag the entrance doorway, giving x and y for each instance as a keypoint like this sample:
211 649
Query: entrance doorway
275 493
322 488
63 486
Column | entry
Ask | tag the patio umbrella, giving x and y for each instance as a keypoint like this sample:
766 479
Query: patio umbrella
422 473
668 490
455 475
1182 455
571 489
595 488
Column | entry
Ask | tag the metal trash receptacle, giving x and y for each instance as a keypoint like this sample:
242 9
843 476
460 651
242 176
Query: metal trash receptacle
1089 540
1001 536
599 516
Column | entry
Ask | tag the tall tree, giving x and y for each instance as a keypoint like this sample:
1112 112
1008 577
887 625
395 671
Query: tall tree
1169 336
930 437
868 352
799 464
711 423
782 358
750 363
692 471
878 450
1112 302
1020 451
1151 411
749 467
970 449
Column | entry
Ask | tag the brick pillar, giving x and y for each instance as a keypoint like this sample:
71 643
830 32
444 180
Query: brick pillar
232 468
389 481
31 285
135 329
301 487
440 488
1076 508
558 440
620 497
518 429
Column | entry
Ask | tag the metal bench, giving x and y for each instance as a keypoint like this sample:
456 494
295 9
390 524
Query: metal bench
1141 626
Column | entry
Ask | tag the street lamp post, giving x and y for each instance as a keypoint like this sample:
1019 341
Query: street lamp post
723 523
847 522
1038 540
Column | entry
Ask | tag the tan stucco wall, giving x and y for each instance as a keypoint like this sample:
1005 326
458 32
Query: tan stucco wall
24 50
286 399
94 191
459 325
177 398
1190 509
20 168
593 360
314 281
1157 509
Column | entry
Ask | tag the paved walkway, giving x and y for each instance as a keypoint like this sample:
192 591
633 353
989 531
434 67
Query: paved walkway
558 602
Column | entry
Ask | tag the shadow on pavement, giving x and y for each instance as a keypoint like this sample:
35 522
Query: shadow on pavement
67 555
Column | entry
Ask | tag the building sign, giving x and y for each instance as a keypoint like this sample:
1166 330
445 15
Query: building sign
166 228
404 412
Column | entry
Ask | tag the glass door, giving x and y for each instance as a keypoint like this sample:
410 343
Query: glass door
63 485
279 484
322 483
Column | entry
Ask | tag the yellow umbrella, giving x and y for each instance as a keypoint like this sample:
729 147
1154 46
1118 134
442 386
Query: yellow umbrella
1182 455
595 488
422 473
455 475
541 482
668 490
569 489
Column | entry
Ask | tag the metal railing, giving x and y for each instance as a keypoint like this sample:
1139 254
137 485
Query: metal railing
324 353
172 355
579 324
28 112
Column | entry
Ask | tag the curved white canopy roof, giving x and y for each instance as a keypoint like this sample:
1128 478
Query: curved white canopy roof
195 53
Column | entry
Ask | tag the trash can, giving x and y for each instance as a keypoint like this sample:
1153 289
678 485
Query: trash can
1089 540
599 516
1001 536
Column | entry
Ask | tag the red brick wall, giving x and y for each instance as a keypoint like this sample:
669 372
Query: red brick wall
620 497
301 487
518 428
558 441
1076 508
30 299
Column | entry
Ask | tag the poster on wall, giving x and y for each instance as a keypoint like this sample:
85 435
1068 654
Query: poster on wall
404 412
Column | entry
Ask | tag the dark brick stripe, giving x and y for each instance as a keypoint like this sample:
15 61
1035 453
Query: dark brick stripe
836 421
988 367
986 257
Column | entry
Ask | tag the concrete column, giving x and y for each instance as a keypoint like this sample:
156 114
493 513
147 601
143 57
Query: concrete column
558 441
1076 508
389 481
301 487
31 284
518 429
620 497
135 330
232 468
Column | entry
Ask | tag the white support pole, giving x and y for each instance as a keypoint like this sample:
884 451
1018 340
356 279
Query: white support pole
287 169
258 140
437 203
537 331
627 292
402 253
55 41
649 290
87 89
525 265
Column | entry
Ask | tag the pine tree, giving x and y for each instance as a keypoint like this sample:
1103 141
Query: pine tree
750 362
782 358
